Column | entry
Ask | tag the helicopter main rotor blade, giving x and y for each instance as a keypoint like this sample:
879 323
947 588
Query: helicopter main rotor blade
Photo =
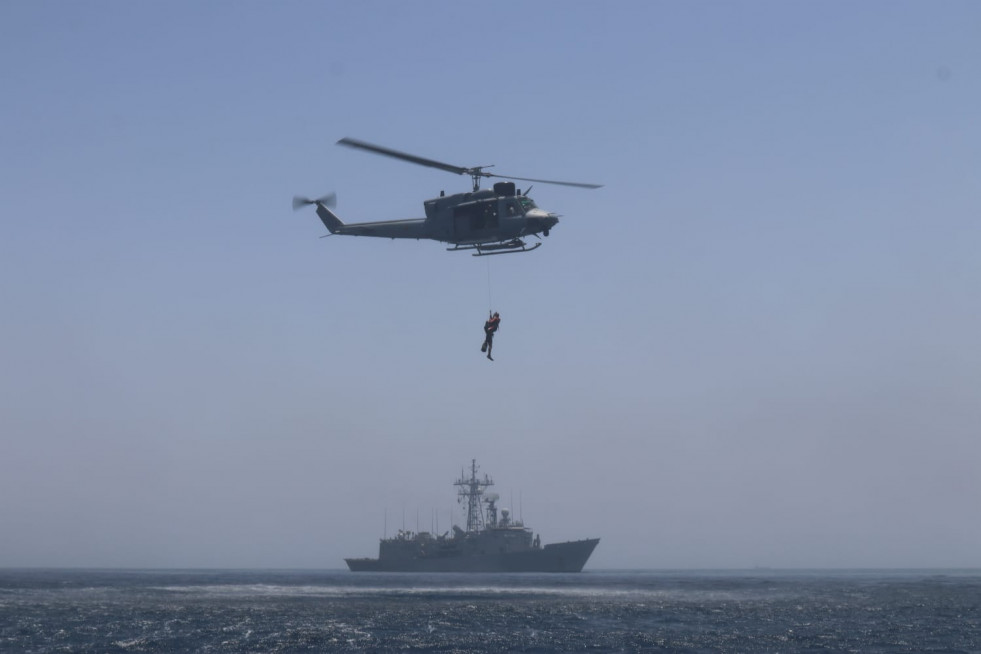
544 181
404 156
475 172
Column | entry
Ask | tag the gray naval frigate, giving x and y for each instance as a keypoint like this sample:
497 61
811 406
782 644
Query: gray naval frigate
490 543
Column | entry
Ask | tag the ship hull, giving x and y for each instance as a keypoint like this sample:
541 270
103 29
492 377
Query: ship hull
556 557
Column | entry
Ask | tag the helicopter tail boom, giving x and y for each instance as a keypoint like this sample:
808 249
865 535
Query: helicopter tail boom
329 218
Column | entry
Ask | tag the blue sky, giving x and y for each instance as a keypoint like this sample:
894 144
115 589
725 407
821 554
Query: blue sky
755 345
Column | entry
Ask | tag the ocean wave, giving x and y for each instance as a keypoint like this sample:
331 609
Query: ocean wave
453 592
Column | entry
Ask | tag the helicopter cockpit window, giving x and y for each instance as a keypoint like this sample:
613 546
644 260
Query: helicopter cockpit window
514 208
527 203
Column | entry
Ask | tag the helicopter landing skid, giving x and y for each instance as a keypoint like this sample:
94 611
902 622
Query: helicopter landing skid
481 253
509 247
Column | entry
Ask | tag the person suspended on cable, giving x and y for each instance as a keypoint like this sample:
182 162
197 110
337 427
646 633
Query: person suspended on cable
489 328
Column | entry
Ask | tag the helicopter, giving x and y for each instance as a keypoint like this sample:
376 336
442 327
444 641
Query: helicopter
488 221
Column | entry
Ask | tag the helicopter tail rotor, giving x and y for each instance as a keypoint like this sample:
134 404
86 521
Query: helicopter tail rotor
329 200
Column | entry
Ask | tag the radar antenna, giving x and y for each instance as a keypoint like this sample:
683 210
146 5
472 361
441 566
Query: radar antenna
472 489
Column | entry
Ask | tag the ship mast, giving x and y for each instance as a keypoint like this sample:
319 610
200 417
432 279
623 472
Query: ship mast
473 489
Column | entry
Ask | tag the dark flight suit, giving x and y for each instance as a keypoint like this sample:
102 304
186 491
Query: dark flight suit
489 328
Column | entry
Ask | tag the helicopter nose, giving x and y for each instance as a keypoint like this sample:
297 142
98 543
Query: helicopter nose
550 221
540 221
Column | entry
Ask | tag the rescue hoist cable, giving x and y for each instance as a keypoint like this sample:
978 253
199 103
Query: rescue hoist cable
490 301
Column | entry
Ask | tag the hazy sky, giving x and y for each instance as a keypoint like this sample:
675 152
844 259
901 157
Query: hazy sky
756 345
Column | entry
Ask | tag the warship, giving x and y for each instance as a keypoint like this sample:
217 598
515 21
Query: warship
490 543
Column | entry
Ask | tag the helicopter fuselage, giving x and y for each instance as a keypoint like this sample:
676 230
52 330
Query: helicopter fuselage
462 219
487 216
488 221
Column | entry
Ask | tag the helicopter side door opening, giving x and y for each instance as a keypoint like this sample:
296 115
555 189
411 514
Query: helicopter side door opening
475 222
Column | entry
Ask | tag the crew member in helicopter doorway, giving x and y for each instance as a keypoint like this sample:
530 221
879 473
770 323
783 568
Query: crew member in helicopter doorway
489 328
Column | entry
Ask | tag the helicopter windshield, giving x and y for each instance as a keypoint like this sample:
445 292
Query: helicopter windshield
527 203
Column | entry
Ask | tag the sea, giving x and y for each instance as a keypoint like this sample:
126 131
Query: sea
60 610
